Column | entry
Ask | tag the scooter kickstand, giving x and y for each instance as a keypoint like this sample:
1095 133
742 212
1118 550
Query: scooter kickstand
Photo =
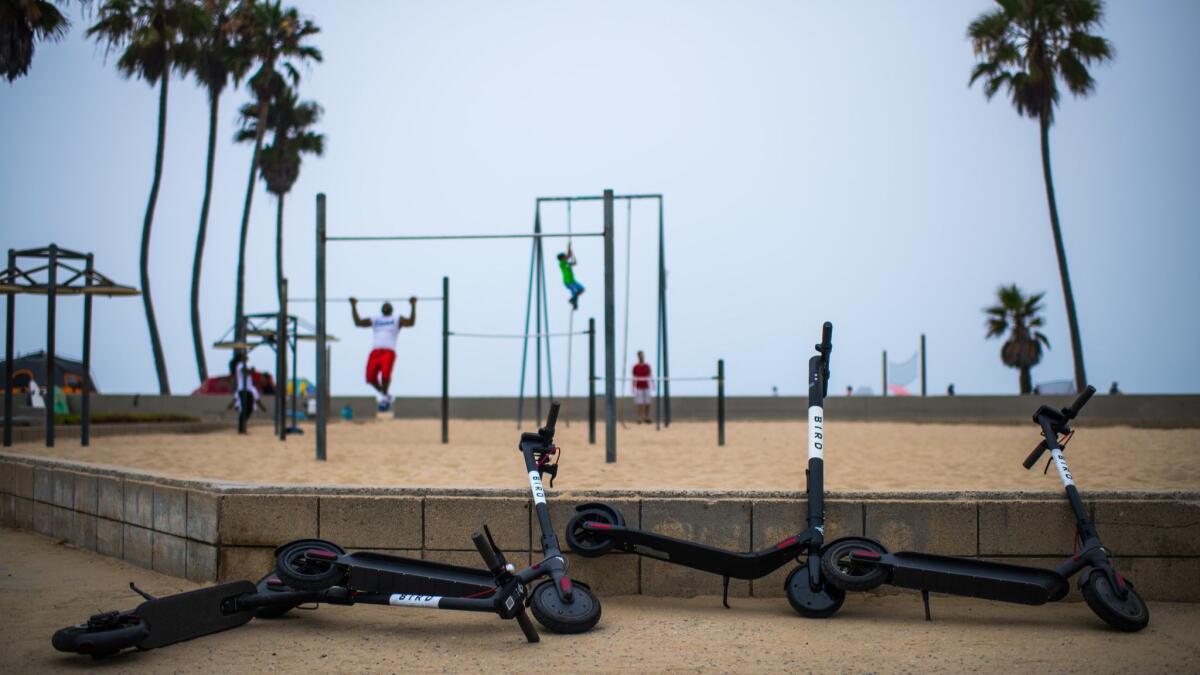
725 591
140 592
925 599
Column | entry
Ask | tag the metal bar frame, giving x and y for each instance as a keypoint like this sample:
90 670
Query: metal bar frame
445 360
86 406
51 310
10 312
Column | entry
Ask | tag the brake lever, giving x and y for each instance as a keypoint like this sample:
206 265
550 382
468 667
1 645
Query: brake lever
551 469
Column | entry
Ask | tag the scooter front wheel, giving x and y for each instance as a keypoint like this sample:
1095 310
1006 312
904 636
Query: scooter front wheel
578 616
1129 614
820 604
590 543
847 574
297 569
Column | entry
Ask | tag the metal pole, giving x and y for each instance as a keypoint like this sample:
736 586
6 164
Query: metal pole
51 307
592 381
537 300
445 359
658 335
666 352
922 365
86 407
281 344
322 347
610 337
884 392
545 330
537 216
295 345
10 314
720 401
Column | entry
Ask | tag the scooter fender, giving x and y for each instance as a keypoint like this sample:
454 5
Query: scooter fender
601 506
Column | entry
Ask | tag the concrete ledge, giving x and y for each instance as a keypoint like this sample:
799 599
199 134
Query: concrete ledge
207 531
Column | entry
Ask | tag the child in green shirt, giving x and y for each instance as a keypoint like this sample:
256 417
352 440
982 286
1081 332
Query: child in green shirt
566 261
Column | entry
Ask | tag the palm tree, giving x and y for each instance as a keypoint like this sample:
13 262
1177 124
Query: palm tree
153 36
274 38
21 23
1027 46
1020 317
217 58
289 121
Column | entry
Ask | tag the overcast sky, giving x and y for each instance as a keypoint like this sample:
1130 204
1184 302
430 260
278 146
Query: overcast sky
819 161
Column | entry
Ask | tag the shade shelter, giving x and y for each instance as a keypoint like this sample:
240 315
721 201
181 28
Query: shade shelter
52 271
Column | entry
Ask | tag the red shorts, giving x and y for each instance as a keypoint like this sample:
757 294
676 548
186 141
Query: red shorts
379 365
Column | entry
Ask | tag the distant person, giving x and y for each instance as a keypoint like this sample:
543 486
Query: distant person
641 388
849 390
382 358
566 263
1114 390
245 394
774 391
950 389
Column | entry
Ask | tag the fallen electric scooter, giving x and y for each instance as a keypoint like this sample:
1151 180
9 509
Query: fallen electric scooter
556 602
852 566
317 571
599 528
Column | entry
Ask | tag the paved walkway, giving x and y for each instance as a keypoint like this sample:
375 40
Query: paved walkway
45 585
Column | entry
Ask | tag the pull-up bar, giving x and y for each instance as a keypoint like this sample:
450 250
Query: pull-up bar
442 237
322 298
394 298
596 198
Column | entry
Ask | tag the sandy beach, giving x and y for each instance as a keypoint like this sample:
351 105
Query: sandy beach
758 456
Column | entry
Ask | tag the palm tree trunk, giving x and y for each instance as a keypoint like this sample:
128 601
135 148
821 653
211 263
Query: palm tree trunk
279 249
239 309
1026 381
1072 320
201 233
160 364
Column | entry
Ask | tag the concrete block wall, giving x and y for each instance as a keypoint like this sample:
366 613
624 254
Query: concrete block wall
223 531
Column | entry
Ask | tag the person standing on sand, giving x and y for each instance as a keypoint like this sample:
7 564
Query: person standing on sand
641 388
245 394
382 358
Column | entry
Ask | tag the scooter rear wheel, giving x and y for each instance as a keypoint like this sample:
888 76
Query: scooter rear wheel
296 569
839 570
819 604
589 543
579 616
1129 615
100 638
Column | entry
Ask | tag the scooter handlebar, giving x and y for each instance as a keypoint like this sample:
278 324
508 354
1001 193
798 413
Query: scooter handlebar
1035 455
484 546
1080 401
551 420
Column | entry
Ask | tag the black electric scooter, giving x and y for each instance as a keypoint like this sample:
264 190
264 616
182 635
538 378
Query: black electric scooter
556 602
852 566
600 528
369 578
159 622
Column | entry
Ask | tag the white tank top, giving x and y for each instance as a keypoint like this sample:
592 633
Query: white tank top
386 329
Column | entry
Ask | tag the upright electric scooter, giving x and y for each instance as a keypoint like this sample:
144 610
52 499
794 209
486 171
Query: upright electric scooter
852 566
600 528
557 603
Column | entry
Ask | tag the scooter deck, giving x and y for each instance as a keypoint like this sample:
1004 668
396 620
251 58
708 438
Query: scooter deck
733 564
975 578
381 573
193 614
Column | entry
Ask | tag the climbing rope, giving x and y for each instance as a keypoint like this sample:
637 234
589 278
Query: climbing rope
625 327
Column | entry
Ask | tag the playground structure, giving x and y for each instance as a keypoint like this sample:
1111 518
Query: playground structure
44 279
538 307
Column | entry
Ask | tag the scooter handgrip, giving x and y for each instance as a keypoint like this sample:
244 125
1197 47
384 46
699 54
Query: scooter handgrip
552 418
486 551
1081 401
1035 455
527 627
826 336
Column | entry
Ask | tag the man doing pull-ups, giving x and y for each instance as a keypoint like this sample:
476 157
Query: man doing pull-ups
382 358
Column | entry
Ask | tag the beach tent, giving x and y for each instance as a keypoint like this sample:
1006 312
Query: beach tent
68 373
